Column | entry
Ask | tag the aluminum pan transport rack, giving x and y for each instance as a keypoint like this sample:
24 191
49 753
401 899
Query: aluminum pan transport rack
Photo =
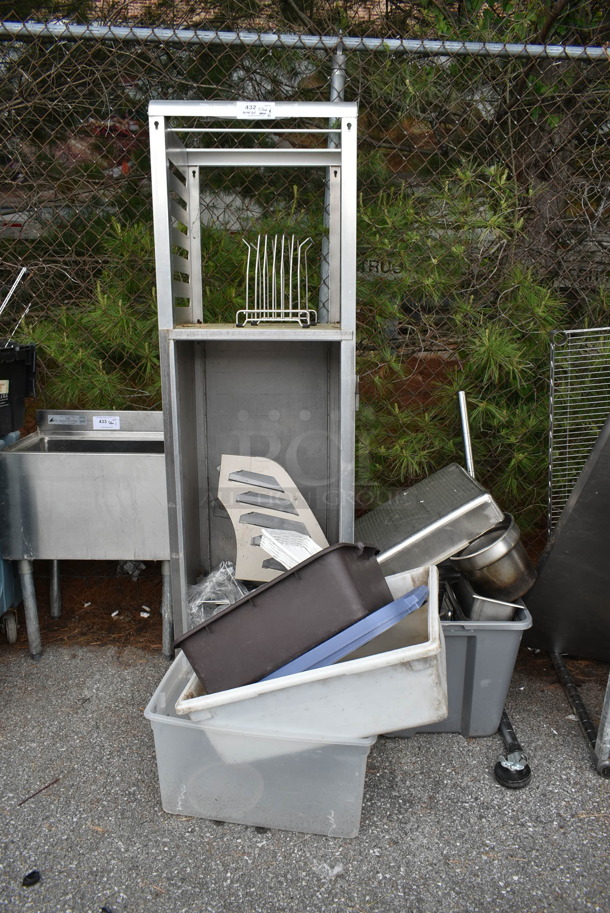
270 388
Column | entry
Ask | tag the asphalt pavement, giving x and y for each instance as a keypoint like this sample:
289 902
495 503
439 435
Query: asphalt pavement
80 804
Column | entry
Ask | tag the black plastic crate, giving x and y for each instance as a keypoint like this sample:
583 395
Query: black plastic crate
17 382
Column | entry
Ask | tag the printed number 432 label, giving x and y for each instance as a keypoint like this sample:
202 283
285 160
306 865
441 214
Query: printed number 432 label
106 422
257 110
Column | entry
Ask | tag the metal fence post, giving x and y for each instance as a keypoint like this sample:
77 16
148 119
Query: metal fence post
337 93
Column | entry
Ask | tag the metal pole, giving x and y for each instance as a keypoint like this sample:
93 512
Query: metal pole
167 625
22 273
337 82
326 43
55 591
511 770
597 743
550 478
466 433
30 608
337 93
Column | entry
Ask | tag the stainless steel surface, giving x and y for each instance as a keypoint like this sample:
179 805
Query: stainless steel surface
430 521
579 407
497 560
497 563
329 269
70 491
569 601
284 392
281 412
288 333
481 608
489 547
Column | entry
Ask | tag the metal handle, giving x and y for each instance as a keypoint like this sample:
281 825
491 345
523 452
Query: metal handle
466 433
22 272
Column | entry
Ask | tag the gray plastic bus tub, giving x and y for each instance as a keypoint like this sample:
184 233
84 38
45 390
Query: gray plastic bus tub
286 617
430 521
480 662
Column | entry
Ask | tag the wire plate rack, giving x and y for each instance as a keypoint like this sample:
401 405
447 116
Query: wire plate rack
579 407
277 282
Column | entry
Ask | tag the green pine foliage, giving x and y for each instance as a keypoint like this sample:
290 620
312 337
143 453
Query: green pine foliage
492 344
103 353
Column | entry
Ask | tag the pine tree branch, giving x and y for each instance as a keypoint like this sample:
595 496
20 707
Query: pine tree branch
305 20
552 18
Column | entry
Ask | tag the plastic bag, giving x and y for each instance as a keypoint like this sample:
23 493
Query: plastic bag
131 569
215 592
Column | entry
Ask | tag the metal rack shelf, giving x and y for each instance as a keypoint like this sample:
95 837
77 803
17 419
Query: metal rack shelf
320 333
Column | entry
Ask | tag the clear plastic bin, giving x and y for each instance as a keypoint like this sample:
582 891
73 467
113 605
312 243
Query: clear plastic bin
278 779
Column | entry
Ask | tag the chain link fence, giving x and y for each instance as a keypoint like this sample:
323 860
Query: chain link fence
484 182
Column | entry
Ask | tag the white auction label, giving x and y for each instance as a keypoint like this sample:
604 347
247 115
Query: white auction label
256 110
106 422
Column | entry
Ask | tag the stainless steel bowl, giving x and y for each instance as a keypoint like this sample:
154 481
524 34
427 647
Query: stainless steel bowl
497 563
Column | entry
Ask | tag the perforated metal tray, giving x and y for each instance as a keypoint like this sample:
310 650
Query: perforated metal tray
430 521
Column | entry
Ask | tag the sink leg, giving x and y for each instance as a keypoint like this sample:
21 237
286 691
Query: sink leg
30 608
55 594
166 613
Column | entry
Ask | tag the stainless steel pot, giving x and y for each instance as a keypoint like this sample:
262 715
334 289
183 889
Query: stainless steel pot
497 563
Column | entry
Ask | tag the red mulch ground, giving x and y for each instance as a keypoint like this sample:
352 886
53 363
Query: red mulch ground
91 591
538 663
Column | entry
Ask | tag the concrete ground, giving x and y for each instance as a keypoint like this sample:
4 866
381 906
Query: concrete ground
79 802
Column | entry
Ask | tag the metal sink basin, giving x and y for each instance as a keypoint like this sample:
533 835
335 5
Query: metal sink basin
88 486
38 443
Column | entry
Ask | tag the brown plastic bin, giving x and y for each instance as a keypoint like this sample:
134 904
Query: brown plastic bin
287 616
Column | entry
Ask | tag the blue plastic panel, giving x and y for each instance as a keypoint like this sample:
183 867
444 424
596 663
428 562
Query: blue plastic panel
338 646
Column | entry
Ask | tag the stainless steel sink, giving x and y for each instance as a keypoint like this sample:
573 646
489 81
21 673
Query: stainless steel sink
86 485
